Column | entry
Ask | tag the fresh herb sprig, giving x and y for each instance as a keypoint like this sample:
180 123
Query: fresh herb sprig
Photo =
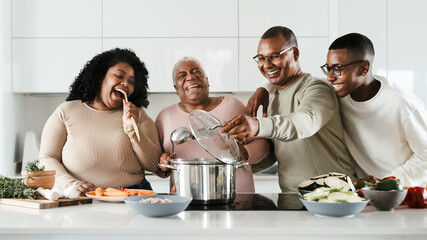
32 167
15 188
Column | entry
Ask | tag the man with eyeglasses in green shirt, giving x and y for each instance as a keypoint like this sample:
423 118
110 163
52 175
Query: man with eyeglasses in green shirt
303 119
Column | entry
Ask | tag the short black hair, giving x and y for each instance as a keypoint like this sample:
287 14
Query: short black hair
87 84
285 32
354 42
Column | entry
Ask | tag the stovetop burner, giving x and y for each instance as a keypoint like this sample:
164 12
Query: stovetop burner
256 202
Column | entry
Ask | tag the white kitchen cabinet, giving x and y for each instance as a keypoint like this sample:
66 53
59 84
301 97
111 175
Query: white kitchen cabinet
217 55
306 18
312 55
355 16
407 49
56 18
159 185
250 78
170 18
49 65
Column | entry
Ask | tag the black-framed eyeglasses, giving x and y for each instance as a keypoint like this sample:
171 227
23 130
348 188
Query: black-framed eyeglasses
336 68
274 57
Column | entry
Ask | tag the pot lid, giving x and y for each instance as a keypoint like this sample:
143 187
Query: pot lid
205 128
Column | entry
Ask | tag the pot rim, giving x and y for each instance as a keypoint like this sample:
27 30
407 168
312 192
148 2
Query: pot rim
198 161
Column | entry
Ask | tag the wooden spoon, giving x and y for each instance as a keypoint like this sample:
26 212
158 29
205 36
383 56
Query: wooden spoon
135 127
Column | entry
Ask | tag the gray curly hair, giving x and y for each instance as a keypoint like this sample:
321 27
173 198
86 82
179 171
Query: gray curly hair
186 59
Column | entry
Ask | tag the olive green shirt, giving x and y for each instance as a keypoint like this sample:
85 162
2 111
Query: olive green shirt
305 126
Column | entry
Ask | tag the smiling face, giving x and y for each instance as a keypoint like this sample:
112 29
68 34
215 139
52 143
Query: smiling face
283 71
190 82
120 76
351 76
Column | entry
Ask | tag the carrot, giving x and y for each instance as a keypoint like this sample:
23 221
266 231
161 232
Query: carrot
99 192
109 189
145 192
131 192
116 193
112 192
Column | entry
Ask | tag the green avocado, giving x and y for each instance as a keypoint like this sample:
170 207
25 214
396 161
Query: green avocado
389 184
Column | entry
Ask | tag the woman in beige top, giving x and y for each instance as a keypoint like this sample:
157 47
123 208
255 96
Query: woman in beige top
90 140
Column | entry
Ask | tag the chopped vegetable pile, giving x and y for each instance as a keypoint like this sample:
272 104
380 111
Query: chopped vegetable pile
112 192
15 188
330 180
385 184
332 195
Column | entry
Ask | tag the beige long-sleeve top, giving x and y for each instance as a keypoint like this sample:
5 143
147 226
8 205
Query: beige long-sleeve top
84 144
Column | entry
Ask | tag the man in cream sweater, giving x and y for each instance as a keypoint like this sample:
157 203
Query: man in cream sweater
386 128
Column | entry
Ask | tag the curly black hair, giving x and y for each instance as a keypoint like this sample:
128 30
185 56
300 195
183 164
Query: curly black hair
87 84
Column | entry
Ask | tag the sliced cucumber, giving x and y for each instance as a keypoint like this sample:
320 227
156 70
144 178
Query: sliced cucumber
338 196
314 196
354 198
332 195
327 200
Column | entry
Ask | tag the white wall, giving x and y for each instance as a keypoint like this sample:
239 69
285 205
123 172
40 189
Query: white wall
21 112
2 79
12 121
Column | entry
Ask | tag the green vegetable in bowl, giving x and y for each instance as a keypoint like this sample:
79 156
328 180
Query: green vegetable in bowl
388 185
32 167
332 195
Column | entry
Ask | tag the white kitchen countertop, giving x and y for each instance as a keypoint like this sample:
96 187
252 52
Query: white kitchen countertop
101 220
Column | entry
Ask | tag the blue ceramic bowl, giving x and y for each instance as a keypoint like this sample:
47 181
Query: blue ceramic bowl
334 209
179 204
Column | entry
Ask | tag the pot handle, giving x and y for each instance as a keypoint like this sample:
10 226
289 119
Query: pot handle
240 164
168 166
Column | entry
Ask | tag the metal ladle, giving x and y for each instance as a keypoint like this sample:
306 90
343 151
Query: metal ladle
179 136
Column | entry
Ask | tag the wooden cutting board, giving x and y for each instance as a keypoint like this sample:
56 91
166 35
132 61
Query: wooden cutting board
44 203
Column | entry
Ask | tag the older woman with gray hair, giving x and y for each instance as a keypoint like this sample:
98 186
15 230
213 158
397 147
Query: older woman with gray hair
192 86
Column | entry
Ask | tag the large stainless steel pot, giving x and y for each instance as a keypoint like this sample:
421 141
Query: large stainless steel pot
206 181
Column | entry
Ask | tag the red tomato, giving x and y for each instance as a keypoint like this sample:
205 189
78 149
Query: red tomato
390 177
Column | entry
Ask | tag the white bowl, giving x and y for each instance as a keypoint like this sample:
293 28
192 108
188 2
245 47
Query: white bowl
384 200
179 204
334 209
